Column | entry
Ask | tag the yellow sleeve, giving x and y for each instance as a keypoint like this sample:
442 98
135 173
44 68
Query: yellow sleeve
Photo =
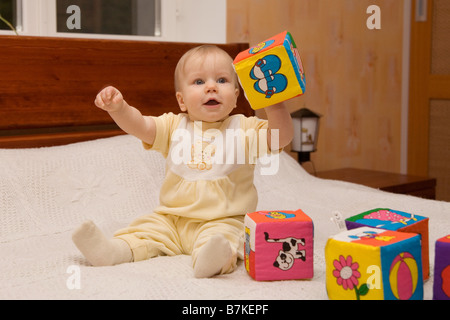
165 126
256 136
254 123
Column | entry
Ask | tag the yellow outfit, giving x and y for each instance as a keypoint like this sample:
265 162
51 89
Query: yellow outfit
208 187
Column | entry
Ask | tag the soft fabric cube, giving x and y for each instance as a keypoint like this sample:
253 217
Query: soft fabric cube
374 264
397 221
279 245
441 285
271 72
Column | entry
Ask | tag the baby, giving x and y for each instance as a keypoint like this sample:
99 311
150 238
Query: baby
206 191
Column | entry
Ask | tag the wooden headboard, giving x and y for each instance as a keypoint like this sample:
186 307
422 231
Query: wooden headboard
48 86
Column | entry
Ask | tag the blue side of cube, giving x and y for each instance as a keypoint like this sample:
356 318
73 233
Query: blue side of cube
389 253
288 45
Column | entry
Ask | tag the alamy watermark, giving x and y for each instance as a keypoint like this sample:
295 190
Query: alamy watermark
374 21
73 282
203 150
74 20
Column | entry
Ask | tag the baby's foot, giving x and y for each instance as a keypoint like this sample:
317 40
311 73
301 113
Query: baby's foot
212 257
99 250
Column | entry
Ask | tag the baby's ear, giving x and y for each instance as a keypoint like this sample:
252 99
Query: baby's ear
236 92
180 100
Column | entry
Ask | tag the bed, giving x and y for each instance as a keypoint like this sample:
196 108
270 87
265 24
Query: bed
63 162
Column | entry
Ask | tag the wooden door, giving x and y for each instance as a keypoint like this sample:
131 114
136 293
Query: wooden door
429 98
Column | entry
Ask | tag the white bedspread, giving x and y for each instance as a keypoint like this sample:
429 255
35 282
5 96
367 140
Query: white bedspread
46 193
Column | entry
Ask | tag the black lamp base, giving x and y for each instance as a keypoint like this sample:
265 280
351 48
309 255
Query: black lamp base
304 157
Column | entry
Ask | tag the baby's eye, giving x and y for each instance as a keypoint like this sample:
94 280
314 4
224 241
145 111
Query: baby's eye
199 81
222 80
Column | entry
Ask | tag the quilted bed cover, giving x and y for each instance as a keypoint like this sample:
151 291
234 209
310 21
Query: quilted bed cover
46 193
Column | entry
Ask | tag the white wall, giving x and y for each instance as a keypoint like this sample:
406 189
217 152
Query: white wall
181 20
201 21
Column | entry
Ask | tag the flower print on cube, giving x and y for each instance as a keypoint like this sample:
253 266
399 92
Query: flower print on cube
279 245
347 275
396 221
373 264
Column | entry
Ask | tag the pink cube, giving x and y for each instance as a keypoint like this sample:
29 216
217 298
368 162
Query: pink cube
279 245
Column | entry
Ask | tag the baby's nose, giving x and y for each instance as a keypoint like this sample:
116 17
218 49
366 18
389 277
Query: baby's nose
211 86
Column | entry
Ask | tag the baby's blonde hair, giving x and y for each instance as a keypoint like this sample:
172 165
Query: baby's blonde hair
201 51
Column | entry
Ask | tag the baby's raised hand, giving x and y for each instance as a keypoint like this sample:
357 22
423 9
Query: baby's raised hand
109 99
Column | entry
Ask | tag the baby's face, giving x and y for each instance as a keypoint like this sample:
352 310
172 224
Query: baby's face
207 88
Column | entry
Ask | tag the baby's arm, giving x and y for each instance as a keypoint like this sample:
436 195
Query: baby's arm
279 119
128 118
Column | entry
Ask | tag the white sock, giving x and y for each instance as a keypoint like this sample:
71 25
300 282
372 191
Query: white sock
99 250
212 257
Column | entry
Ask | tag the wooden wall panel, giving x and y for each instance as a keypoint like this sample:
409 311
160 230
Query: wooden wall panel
440 50
354 75
50 80
439 103
48 85
439 152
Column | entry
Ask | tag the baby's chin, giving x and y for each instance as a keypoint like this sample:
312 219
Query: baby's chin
212 115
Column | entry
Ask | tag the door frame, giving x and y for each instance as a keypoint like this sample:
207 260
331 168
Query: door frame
423 87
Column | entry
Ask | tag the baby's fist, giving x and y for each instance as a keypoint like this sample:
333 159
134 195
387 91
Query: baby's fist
109 99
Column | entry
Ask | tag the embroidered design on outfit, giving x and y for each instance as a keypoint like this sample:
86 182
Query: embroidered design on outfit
202 155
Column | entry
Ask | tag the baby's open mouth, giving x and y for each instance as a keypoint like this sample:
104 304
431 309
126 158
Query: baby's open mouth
212 102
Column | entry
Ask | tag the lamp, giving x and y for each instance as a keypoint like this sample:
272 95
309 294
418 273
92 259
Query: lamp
306 130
